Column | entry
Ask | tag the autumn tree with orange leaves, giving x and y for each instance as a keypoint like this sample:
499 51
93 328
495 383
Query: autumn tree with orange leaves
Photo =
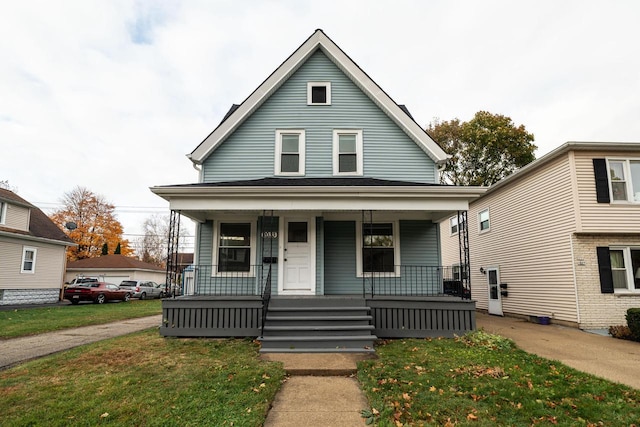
89 220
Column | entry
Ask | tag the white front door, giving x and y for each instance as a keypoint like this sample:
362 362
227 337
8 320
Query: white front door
495 299
297 258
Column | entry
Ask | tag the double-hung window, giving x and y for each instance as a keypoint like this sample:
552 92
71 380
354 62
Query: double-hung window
347 152
483 219
28 260
378 248
624 179
625 268
290 152
3 212
235 241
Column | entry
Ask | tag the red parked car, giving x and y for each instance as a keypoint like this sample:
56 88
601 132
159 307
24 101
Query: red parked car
98 292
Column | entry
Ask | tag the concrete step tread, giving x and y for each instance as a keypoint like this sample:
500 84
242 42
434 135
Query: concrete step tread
319 350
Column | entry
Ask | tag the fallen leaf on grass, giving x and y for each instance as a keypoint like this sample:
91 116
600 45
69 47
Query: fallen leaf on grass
105 415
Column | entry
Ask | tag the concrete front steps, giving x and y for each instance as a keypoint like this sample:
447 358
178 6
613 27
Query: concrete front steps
318 325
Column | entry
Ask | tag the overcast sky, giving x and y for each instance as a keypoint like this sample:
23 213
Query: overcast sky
111 95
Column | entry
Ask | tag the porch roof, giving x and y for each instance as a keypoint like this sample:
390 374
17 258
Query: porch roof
198 201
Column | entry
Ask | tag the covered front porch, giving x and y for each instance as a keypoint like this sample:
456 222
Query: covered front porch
312 249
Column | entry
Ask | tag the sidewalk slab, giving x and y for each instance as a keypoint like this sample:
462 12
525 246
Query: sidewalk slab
17 350
318 402
319 364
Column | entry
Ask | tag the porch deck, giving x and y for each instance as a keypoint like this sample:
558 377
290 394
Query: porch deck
391 316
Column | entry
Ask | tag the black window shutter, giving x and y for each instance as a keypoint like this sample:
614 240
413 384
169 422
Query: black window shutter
604 265
602 180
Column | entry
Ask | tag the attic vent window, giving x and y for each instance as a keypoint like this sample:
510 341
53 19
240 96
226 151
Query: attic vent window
319 93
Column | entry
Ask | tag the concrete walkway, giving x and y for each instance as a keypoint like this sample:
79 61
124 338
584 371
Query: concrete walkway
604 356
321 391
22 349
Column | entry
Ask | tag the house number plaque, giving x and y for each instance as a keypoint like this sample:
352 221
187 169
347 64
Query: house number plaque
270 234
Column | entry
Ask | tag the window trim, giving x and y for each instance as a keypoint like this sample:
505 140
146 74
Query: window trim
3 212
395 224
301 152
359 152
628 181
252 248
326 85
480 230
26 249
628 262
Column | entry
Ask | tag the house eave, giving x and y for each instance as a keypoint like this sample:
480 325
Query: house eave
35 239
198 202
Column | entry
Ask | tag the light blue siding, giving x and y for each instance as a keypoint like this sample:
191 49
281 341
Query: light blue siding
419 244
340 259
249 152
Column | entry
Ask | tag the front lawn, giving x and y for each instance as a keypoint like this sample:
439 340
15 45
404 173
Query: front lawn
30 321
483 380
143 379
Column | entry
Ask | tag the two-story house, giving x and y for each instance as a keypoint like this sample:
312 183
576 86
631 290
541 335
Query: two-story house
32 253
317 191
560 238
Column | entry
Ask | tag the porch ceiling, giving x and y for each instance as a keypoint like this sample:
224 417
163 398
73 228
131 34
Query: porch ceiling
199 202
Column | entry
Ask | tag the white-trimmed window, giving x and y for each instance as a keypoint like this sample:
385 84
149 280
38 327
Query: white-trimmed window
290 152
235 243
624 179
454 227
378 248
28 260
625 268
3 212
347 152
483 221
318 93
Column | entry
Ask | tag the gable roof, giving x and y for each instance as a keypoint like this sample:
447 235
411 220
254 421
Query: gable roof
120 262
318 40
40 225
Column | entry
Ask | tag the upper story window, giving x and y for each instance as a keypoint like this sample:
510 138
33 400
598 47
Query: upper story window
28 260
483 218
290 152
624 180
3 212
347 152
319 93
454 227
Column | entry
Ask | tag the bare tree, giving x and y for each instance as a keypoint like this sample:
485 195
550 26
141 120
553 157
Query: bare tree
152 247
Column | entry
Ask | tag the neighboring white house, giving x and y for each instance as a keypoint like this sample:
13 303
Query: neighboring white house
560 238
32 253
115 269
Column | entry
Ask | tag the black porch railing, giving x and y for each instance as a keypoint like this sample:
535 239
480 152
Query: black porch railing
216 280
266 298
416 280
405 280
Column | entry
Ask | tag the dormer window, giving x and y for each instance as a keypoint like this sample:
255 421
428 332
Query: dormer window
319 93
290 152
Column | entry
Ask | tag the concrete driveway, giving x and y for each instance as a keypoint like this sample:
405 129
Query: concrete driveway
611 358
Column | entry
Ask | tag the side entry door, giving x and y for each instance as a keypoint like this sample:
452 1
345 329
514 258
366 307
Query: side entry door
495 299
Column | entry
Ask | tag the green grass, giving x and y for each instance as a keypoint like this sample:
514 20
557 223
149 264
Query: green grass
484 380
30 321
143 379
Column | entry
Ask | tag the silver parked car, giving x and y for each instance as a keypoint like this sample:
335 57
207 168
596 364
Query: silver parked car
142 289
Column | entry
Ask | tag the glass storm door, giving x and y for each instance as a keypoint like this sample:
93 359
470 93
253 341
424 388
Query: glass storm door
495 300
